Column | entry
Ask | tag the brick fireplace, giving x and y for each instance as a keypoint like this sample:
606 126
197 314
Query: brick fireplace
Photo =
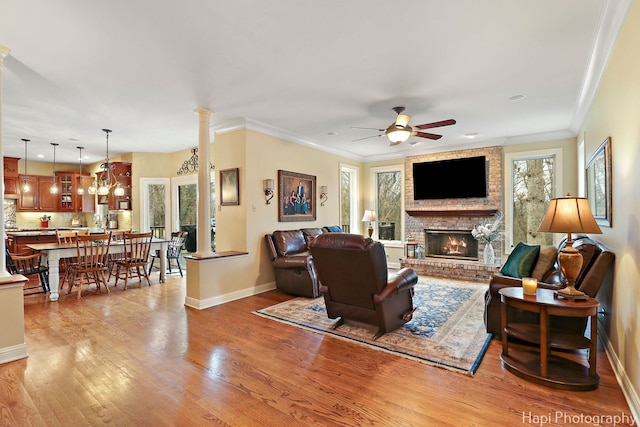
453 216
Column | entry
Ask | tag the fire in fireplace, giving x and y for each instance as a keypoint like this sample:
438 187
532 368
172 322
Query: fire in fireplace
456 244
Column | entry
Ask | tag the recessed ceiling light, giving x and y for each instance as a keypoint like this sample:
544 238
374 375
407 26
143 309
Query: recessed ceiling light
471 135
74 139
414 142
40 156
516 97
332 133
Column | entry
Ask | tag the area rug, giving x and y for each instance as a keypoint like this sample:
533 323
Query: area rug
447 329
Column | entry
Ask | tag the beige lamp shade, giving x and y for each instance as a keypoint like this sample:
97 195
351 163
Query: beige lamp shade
369 216
569 215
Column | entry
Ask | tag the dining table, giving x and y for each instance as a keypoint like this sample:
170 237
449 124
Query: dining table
56 251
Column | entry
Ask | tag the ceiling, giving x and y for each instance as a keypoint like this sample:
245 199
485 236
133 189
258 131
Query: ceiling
303 70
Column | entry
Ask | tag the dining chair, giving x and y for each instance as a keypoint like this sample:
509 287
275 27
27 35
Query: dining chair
117 236
30 265
66 237
92 257
174 249
136 255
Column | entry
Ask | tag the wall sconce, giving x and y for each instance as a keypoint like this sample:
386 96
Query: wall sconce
268 190
323 194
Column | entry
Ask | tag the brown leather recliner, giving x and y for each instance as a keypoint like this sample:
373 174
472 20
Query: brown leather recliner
597 268
356 285
292 263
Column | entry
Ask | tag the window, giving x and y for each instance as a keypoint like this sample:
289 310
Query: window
533 179
388 201
349 199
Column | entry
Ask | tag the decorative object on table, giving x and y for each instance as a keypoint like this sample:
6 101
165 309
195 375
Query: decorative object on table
410 247
529 286
447 329
44 221
369 216
105 180
599 174
570 215
229 187
267 186
420 252
297 196
487 233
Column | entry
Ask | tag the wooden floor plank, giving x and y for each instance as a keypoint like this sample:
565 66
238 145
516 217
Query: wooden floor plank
140 357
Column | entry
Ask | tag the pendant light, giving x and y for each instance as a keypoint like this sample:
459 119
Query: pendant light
106 181
54 186
80 190
25 186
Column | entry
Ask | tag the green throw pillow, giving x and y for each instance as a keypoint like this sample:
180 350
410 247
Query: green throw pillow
521 261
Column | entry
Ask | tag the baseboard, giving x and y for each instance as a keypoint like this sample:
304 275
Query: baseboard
621 376
232 296
14 352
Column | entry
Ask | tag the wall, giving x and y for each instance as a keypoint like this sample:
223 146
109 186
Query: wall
614 112
242 228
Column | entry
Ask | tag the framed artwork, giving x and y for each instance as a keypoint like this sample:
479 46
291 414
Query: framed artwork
229 187
599 183
297 196
123 205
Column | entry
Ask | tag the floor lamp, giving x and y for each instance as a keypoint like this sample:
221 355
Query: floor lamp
570 215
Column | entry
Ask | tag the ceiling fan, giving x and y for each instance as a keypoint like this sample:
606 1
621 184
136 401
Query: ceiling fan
400 130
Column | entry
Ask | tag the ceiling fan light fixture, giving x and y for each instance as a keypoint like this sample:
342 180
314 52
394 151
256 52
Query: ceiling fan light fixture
403 120
398 134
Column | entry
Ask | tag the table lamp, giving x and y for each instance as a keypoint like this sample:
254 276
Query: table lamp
369 216
570 215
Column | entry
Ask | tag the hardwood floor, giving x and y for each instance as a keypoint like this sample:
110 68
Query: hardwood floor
140 357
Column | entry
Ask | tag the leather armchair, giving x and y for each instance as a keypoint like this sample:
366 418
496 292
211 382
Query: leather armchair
292 263
356 285
597 268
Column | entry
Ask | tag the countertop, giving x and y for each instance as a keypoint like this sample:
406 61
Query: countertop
25 232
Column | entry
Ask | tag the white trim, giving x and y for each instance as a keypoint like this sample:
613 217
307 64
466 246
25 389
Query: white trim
144 203
231 296
176 182
14 352
508 184
625 383
354 222
374 200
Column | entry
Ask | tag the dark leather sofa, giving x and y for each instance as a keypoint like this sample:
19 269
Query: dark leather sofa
292 263
356 284
597 268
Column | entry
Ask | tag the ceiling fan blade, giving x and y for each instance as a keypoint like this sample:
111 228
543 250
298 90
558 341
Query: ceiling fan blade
367 137
428 135
436 124
357 127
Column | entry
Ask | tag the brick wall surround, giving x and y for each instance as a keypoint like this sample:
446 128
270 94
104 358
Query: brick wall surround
415 225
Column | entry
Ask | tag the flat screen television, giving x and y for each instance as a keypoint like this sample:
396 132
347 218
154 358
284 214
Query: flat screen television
450 179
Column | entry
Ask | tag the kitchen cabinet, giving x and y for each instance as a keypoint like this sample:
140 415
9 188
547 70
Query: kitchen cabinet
11 177
38 198
122 172
68 199
18 242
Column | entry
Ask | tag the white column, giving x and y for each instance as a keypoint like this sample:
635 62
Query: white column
4 51
204 182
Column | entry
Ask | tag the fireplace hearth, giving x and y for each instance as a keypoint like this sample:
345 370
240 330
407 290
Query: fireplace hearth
451 244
